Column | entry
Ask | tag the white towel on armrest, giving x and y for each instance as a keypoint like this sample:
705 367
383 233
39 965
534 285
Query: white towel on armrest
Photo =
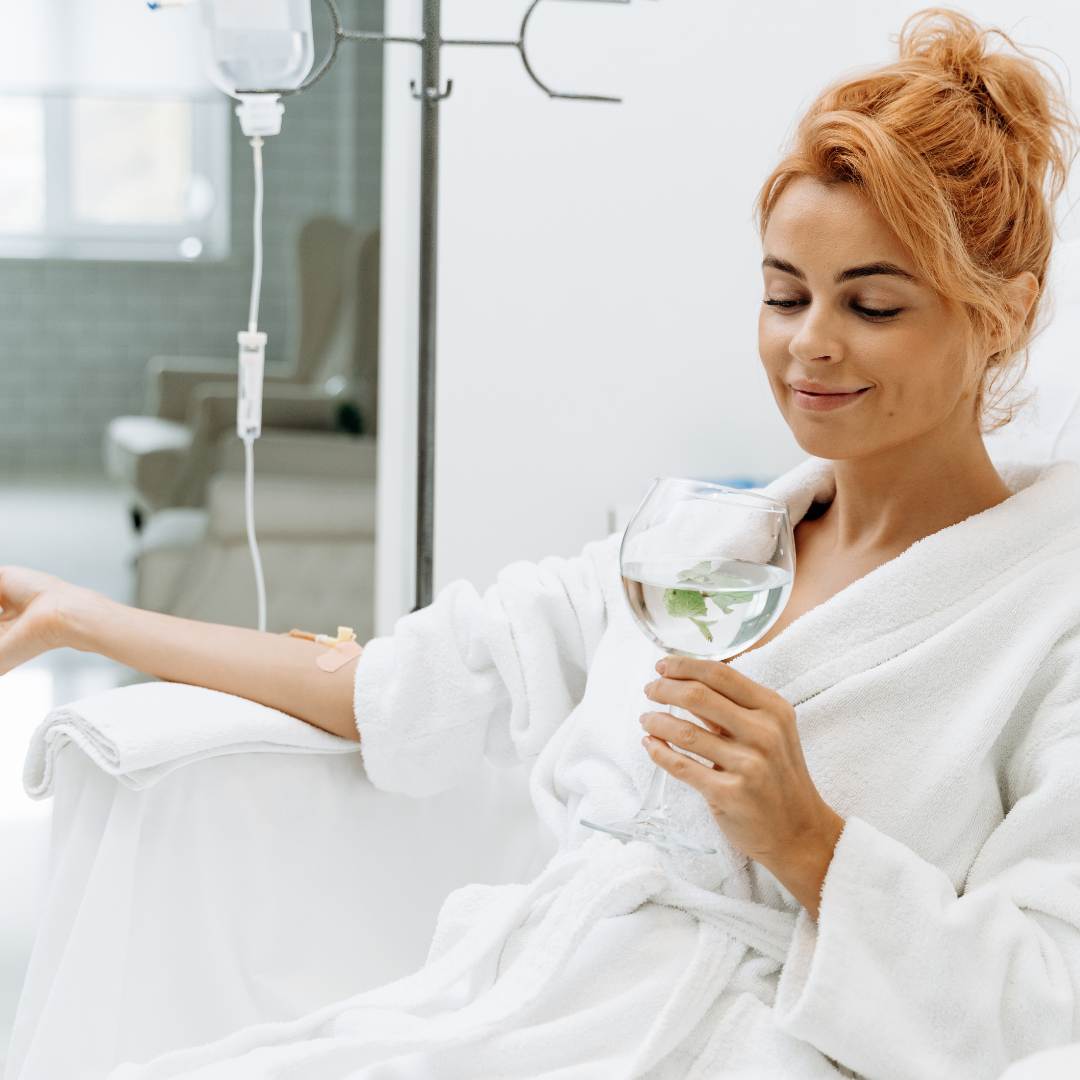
142 732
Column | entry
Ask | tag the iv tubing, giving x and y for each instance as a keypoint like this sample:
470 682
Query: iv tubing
249 513
256 277
249 441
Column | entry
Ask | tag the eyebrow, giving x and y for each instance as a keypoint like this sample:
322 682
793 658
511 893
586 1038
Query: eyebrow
850 274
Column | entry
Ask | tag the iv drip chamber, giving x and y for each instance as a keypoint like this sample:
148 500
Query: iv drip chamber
257 45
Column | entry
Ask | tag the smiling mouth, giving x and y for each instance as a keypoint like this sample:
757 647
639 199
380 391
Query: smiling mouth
816 402
844 393
837 393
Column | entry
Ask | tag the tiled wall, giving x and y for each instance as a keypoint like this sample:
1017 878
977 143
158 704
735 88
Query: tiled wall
75 335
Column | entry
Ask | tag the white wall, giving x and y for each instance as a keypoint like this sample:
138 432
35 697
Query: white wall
599 281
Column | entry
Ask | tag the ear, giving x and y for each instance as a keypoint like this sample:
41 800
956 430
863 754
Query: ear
1023 290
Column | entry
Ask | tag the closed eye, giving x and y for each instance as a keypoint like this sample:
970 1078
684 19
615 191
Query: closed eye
870 313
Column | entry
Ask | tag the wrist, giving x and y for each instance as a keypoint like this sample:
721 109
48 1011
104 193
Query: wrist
80 615
803 869
828 837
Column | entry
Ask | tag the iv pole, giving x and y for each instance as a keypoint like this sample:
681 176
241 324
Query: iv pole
430 96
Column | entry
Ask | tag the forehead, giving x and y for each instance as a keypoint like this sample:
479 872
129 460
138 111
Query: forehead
814 223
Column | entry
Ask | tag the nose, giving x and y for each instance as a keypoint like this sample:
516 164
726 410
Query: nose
815 335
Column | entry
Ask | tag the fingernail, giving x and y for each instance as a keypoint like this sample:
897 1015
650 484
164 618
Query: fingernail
661 666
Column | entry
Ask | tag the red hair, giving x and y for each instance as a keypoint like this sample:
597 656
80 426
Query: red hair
962 151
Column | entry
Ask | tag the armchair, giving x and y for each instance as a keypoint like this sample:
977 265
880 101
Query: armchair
241 888
163 457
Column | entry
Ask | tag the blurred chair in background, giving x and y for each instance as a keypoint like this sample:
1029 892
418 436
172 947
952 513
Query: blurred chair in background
165 457
183 464
315 525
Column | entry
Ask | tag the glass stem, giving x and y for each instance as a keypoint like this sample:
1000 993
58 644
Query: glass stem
654 805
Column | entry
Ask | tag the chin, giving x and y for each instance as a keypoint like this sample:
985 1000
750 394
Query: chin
821 444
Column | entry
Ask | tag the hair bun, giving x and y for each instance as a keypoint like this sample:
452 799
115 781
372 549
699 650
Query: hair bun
947 40
1007 87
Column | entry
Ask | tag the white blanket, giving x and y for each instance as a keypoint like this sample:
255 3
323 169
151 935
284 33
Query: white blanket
938 703
142 732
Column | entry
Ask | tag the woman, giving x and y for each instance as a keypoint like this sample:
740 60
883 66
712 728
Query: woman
896 781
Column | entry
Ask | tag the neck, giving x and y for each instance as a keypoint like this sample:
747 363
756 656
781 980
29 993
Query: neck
886 501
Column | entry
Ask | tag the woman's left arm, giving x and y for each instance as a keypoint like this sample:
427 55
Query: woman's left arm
903 976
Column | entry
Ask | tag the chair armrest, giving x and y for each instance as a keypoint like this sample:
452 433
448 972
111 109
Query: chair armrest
212 408
171 381
291 508
212 413
190 722
313 454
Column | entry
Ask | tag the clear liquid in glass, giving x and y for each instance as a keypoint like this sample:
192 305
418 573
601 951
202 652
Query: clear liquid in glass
705 607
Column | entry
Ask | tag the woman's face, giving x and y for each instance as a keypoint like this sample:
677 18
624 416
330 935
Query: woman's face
832 266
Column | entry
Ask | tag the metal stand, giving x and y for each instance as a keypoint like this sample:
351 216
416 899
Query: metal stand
430 95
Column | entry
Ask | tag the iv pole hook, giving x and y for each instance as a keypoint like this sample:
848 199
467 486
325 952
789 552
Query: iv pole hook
430 94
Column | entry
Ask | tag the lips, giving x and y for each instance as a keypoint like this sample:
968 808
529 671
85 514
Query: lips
817 402
818 389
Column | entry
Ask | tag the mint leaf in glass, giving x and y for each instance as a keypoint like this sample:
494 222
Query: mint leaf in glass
723 599
691 602
697 573
684 602
703 573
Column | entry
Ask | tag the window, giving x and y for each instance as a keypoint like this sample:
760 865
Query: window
115 144
113 178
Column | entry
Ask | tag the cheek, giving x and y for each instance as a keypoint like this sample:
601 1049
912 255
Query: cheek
772 339
916 385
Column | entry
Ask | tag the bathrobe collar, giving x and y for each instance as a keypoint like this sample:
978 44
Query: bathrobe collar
897 604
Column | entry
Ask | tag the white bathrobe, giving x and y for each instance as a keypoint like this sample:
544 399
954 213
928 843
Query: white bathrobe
938 705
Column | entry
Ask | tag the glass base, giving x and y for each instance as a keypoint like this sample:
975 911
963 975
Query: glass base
653 829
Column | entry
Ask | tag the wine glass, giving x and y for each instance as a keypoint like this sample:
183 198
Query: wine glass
706 570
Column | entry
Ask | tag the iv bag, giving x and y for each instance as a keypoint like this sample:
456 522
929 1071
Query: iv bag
253 45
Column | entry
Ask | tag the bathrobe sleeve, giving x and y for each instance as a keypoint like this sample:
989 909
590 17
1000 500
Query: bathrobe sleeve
901 977
481 675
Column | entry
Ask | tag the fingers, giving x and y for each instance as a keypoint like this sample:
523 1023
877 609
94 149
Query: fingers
719 712
723 752
704 778
718 676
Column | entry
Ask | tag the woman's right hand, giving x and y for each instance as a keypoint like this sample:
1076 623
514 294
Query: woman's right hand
34 608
